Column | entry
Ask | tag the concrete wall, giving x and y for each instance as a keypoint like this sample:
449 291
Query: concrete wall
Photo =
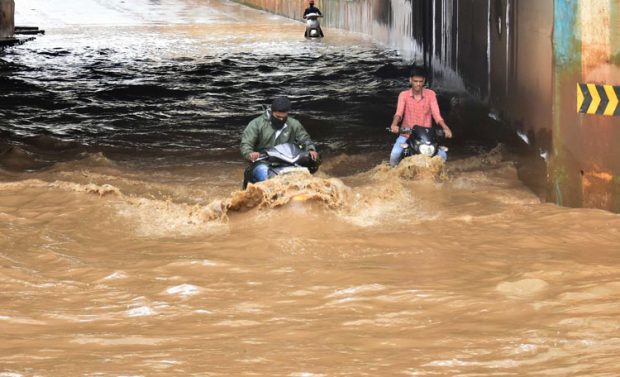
7 14
521 67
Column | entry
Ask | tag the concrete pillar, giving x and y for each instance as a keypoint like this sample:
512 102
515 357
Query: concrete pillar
7 18
585 164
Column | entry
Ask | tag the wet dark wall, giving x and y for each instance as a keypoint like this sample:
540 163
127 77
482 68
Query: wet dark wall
471 46
382 11
7 11
498 51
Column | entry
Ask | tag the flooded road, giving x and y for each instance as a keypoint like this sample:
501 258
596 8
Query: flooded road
127 249
190 84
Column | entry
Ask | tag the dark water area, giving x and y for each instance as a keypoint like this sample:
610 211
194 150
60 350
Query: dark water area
139 92
98 99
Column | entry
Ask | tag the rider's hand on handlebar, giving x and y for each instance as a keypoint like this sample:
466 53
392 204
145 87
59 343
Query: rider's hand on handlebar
394 129
314 155
254 156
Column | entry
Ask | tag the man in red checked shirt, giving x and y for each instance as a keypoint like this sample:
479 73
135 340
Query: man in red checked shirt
415 107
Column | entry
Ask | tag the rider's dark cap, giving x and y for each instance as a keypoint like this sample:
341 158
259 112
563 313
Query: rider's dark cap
281 104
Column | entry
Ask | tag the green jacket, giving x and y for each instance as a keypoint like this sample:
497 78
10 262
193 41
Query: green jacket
259 135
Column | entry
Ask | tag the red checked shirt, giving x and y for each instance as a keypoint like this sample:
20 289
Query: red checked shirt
418 112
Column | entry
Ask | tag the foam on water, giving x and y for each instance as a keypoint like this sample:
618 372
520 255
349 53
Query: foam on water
414 167
184 290
141 311
364 206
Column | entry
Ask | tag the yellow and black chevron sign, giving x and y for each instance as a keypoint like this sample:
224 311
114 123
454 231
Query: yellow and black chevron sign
598 99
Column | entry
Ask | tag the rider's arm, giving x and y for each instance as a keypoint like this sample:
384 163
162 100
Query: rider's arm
434 107
249 139
400 110
437 116
446 130
302 136
396 120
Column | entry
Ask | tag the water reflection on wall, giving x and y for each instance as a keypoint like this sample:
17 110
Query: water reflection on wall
7 10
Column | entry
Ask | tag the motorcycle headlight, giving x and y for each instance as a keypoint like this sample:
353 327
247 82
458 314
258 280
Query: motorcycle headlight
427 150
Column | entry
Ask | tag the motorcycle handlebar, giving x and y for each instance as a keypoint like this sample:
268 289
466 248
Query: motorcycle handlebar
400 130
408 131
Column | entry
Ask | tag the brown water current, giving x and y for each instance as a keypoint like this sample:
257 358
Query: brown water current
154 263
459 271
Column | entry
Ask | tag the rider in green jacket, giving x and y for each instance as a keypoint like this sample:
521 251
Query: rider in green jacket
271 128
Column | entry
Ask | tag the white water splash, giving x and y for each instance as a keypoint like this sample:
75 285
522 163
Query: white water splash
142 311
184 290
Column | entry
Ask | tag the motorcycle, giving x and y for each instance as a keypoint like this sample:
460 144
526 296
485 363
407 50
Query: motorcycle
423 141
313 26
282 159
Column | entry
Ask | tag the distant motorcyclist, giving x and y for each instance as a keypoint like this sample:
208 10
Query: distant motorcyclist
271 128
415 107
312 9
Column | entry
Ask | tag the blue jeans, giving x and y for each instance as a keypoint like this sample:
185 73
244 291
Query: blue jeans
260 172
397 151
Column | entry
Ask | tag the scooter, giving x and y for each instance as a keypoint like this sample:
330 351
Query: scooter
423 141
313 26
282 159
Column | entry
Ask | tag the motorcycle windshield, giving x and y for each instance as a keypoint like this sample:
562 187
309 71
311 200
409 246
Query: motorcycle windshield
286 152
424 134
